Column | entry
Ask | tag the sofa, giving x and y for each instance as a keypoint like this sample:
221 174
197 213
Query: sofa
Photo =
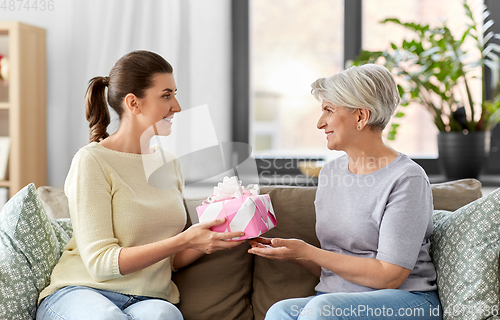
232 284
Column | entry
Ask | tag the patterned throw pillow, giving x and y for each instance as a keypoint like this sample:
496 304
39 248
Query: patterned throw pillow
30 246
465 251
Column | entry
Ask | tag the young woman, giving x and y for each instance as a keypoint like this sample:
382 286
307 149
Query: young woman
373 213
126 233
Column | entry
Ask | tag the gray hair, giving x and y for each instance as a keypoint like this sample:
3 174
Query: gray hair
369 86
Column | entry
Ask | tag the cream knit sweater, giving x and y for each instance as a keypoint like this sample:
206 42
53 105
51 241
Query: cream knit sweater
112 206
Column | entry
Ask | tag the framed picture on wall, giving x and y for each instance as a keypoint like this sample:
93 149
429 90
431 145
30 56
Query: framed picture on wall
4 156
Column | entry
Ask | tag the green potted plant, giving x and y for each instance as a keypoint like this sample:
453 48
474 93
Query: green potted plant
435 70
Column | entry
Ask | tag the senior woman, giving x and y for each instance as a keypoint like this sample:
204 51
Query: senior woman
373 213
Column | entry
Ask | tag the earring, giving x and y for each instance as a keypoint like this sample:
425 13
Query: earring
359 127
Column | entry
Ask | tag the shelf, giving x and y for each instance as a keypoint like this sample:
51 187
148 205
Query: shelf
23 105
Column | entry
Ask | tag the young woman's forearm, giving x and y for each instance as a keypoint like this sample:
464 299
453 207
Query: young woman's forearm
137 258
186 257
198 237
367 272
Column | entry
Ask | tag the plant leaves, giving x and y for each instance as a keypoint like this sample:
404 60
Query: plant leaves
434 68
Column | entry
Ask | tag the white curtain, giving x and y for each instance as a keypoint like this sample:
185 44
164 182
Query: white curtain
86 37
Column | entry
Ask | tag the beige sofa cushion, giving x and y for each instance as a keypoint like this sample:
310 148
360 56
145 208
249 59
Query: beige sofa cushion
455 194
275 280
217 286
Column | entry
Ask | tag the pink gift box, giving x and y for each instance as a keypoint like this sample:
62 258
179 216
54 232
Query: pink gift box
252 214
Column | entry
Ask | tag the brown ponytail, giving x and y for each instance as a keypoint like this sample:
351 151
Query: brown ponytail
97 109
133 73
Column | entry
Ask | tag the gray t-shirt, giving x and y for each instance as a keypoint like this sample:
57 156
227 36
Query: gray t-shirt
385 215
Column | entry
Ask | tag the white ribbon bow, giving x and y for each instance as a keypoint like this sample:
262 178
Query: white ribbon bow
231 188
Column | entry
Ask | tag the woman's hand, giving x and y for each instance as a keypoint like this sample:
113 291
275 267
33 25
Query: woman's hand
199 237
285 249
280 249
200 240
368 272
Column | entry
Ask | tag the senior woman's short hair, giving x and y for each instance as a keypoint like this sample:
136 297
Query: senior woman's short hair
368 86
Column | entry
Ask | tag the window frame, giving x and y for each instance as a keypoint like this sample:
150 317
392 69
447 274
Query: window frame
240 23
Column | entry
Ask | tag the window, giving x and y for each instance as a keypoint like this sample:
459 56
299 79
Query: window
292 43
281 46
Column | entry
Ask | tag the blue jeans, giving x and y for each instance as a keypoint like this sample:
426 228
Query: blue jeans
76 302
379 304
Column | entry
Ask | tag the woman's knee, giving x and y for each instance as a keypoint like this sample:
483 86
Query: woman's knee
321 307
315 307
286 309
154 309
78 303
279 310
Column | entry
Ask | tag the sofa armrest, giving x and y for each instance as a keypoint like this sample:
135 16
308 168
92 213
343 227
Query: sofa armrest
455 194
54 201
